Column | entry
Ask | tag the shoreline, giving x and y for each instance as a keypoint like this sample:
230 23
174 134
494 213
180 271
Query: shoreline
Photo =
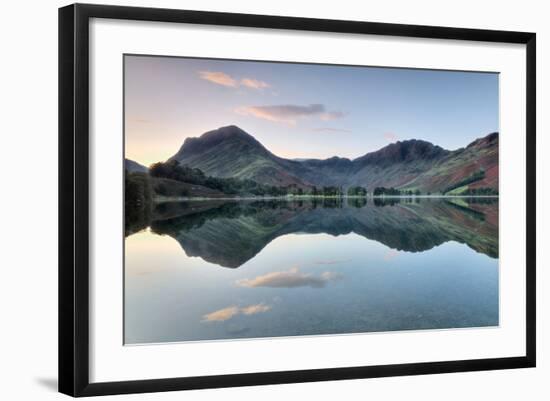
310 197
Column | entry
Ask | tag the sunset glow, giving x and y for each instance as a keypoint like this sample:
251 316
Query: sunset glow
301 110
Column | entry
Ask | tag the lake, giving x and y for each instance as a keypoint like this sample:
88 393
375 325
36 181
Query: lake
219 269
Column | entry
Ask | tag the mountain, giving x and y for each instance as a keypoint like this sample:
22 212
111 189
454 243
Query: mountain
395 165
411 164
231 152
134 167
480 155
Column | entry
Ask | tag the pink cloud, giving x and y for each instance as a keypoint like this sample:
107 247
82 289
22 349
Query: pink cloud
219 78
331 115
289 113
254 83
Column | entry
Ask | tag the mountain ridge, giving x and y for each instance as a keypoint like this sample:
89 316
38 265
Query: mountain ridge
134 167
411 164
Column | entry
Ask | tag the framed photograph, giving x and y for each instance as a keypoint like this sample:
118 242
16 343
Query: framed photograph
250 199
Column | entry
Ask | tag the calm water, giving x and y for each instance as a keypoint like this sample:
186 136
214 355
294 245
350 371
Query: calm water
213 270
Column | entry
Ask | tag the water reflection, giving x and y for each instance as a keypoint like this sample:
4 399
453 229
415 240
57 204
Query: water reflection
231 233
305 267
290 279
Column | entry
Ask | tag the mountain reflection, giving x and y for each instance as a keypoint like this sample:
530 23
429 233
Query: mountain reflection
229 233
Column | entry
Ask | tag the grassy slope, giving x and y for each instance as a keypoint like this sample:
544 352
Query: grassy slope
241 157
396 175
220 161
457 166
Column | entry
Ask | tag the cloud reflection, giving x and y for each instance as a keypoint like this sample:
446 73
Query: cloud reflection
290 279
390 255
224 314
254 309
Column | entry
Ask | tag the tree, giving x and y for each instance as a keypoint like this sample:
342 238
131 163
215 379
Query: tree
379 191
481 191
231 186
357 191
137 201
330 191
477 176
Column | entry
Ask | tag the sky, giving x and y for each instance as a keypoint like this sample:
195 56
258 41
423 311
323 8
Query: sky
301 110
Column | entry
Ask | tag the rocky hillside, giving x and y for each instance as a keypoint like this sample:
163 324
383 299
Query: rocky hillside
231 152
412 164
461 165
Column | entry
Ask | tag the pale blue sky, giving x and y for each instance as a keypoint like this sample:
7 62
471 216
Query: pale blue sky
302 110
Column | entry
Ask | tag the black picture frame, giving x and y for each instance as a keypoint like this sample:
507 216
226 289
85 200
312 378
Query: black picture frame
74 198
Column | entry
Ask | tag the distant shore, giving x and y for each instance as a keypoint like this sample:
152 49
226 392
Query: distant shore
164 199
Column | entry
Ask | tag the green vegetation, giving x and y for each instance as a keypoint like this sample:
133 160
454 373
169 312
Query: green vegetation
386 202
383 191
167 187
174 172
357 202
332 191
230 186
174 180
238 230
138 196
465 207
458 191
408 165
357 191
478 175
379 191
480 192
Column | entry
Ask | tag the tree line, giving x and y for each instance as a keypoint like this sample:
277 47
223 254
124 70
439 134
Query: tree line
138 195
480 191
247 187
383 191
230 186
478 175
